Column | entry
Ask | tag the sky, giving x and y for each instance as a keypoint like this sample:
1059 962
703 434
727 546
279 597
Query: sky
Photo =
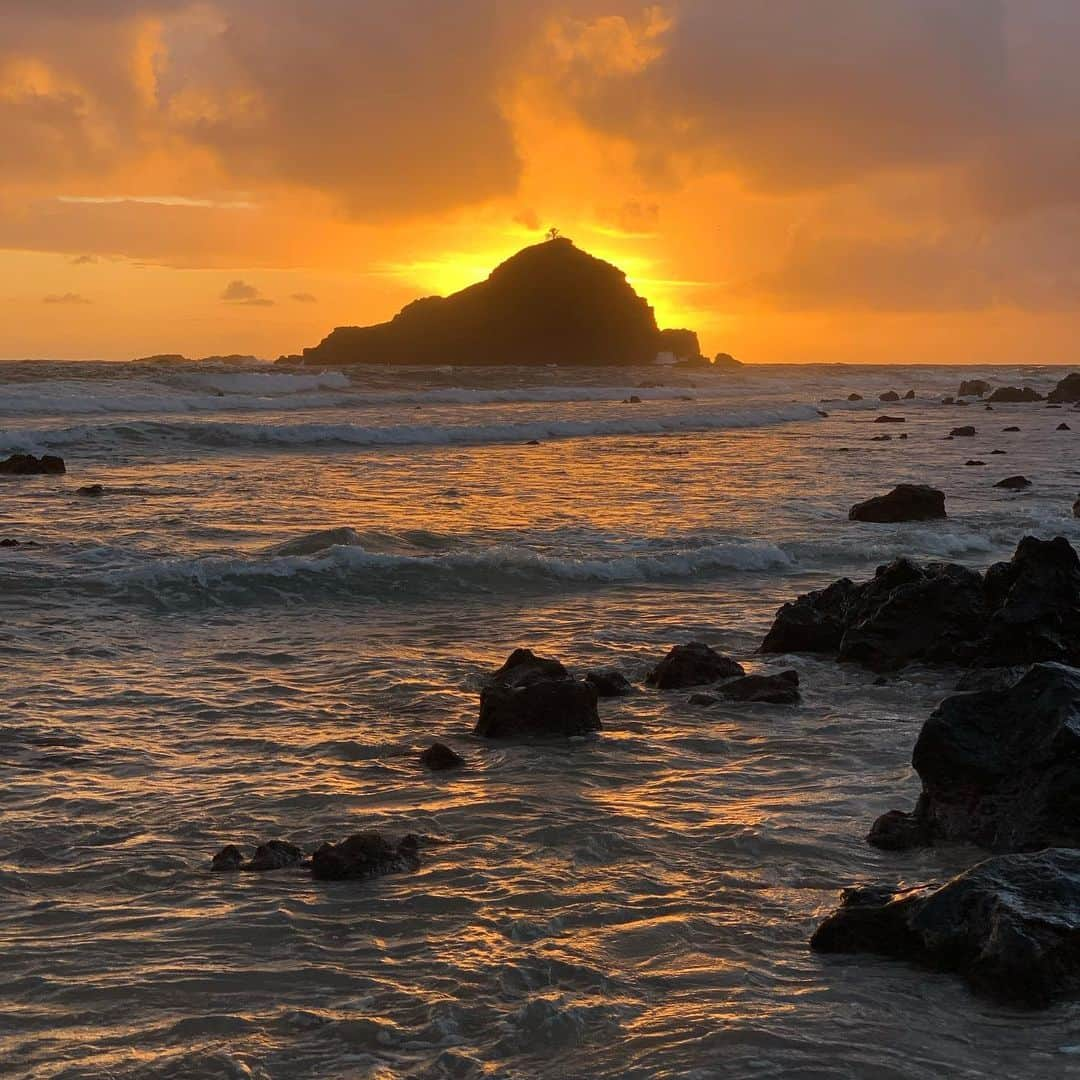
798 180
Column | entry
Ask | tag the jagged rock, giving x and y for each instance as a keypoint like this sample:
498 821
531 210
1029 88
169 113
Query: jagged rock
889 395
694 664
726 360
682 344
1068 389
91 490
28 465
532 696
779 689
854 397
1014 483
891 420
906 502
1063 427
973 388
273 855
965 432
815 622
439 757
551 300
910 395
609 683
1015 393
1009 926
365 855
1001 768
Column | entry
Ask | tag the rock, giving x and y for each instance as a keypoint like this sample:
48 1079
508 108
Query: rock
162 358
28 465
438 757
633 399
902 435
694 664
681 344
8 542
365 855
550 300
815 622
897 831
1076 510
531 696
997 451
906 502
889 395
1001 678
1068 389
1009 926
227 859
973 388
274 855
91 490
962 432
948 401
726 360
702 699
1001 768
854 397
779 689
974 461
988 408
1010 429
533 442
961 402
910 395
891 420
1014 483
1063 427
882 438
1015 393
608 683
318 541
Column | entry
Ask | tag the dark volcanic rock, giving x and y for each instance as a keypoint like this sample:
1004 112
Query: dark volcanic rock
1015 393
550 301
882 438
891 420
779 689
726 360
973 388
91 490
1001 768
365 855
963 432
906 502
531 696
227 859
1009 925
273 855
997 451
854 397
28 465
910 395
1014 483
815 622
439 757
974 461
694 664
9 542
889 395
1010 429
682 344
1068 389
1063 427
608 683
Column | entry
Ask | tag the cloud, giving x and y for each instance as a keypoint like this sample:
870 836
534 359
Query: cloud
83 260
240 293
66 298
304 298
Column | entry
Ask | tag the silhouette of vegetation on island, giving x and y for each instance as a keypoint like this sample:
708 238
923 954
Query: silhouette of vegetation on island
551 303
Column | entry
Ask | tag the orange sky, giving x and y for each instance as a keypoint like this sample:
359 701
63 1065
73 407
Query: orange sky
838 180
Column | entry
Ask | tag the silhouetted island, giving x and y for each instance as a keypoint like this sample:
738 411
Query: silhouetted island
551 303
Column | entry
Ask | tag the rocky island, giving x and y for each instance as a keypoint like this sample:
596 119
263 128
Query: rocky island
551 303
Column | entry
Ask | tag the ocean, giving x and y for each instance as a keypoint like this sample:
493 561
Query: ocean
633 905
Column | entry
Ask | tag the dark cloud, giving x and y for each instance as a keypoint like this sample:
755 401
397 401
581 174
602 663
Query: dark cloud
242 294
66 298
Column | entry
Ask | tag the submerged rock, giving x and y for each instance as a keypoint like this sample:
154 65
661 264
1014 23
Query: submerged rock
885 419
906 502
1000 768
694 664
227 859
1015 393
779 689
365 855
609 683
315 542
533 696
965 432
91 490
1068 389
438 757
973 388
889 395
1009 926
974 461
1010 429
273 855
1014 483
28 465
854 397
1063 427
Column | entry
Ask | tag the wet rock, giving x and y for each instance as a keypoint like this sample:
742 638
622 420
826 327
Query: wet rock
882 438
1009 926
854 397
365 855
28 465
1063 427
1068 389
694 664
533 442
1076 510
532 696
633 399
815 622
1015 393
1010 429
973 388
439 757
1001 678
274 855
91 490
883 419
702 699
608 683
227 859
948 401
889 395
997 451
1014 483
897 831
9 542
779 689
1001 768
910 395
902 435
906 502
974 461
965 432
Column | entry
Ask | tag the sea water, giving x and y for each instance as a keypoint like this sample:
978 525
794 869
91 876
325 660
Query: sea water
635 905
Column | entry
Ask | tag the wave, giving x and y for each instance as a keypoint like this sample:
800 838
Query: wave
224 434
269 383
